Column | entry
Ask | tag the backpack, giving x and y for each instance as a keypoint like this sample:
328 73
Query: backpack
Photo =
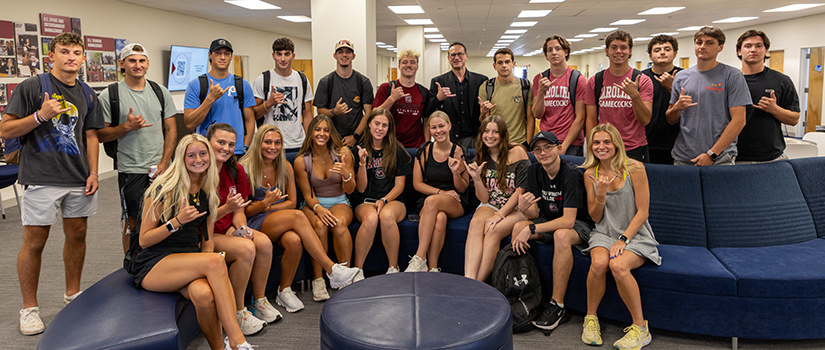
110 147
600 80
11 150
266 74
525 90
358 83
204 85
425 94
517 277
571 85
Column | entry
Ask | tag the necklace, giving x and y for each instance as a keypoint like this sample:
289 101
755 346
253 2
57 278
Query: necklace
196 198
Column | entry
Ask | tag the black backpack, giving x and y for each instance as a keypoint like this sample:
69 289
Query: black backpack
525 90
204 87
571 85
110 147
517 277
425 94
266 74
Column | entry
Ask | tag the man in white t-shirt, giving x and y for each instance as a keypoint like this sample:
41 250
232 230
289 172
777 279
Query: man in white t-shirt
283 96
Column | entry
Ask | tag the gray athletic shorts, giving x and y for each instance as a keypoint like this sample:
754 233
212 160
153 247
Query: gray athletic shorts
41 203
581 227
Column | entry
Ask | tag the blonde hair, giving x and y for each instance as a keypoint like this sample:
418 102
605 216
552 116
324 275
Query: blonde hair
409 53
254 162
171 188
619 162
439 114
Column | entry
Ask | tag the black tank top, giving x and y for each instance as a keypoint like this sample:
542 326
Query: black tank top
438 174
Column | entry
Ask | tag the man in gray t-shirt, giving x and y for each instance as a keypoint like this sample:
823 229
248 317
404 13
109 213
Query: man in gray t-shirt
345 95
141 141
708 101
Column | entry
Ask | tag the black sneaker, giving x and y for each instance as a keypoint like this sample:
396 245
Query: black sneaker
552 316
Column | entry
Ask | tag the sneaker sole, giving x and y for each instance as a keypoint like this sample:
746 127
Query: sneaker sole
35 332
256 332
277 318
553 326
347 281
644 343
288 309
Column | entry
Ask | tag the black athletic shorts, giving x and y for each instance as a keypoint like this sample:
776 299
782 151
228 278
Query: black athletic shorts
132 187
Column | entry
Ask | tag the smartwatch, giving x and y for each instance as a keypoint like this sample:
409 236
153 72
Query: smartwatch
624 239
712 155
171 228
532 229
384 200
357 136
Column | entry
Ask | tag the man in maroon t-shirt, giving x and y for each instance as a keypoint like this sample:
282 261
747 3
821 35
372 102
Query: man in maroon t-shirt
404 99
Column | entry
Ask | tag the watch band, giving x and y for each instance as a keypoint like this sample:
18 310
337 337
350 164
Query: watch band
712 155
624 239
171 228
532 229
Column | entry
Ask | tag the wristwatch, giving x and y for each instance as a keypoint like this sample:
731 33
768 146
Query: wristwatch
712 155
624 239
171 228
384 200
532 229
357 136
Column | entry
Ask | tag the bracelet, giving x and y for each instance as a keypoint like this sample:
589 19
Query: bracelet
315 206
439 191
36 119
500 215
597 201
178 220
95 174
347 179
362 164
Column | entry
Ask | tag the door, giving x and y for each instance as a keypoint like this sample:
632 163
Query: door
777 60
684 62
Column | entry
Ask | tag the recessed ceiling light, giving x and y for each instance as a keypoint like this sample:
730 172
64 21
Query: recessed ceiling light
296 19
434 36
794 7
505 41
575 40
603 30
524 24
660 10
534 13
438 40
627 22
444 48
586 35
665 33
735 19
515 31
252 4
510 36
544 1
419 22
404 10
644 38
431 30
690 29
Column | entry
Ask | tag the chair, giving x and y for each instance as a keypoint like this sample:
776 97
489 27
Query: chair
795 148
818 138
8 177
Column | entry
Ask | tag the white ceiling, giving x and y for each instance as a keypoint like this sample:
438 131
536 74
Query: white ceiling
480 23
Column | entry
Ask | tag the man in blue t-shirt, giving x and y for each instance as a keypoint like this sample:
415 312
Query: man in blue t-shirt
220 105
555 206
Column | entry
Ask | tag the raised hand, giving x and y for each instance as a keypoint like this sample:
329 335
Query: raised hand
338 167
135 122
362 155
767 104
544 85
454 164
51 108
526 200
341 107
235 202
630 87
603 182
474 169
188 213
443 92
397 93
486 106
273 195
684 101
666 80
275 98
215 91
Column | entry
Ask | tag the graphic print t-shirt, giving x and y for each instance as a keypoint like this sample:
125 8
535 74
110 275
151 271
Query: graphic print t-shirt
616 107
286 116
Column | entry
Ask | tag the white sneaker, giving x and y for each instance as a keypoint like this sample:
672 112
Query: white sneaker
319 289
30 322
417 264
249 324
435 269
244 346
358 276
392 269
264 311
341 276
289 300
68 298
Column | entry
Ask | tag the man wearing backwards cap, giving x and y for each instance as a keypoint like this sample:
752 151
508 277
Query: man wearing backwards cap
141 142
345 95
555 205
220 104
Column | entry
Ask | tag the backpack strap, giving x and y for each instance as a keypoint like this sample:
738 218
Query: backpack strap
266 88
425 95
159 93
239 91
45 86
599 79
546 74
571 87
304 83
204 83
233 171
491 86
525 92
329 90
114 104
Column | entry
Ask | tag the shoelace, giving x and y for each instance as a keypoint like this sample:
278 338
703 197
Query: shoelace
29 316
590 325
632 332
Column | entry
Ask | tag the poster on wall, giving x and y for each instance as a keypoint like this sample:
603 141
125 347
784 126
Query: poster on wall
44 50
100 59
119 45
28 56
53 25
8 65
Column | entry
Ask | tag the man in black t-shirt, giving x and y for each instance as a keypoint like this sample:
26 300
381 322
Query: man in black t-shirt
660 134
556 207
774 103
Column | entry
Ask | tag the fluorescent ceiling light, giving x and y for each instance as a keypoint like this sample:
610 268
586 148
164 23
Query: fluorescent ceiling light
534 13
252 4
665 33
296 19
431 30
444 48
627 22
794 7
510 36
544 1
575 40
524 24
379 43
419 22
586 35
690 29
660 10
505 41
644 38
404 10
515 31
433 36
735 19
385 46
438 40
603 30
597 47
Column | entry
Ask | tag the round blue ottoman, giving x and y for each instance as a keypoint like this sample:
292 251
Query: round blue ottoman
420 310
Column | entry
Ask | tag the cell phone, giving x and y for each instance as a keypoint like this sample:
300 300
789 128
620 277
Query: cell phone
233 190
413 217
370 200
241 232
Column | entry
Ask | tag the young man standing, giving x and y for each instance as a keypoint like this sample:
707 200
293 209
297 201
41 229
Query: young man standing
404 99
660 134
456 93
709 126
141 141
216 99
504 96
286 101
345 95
775 102
622 96
57 125
560 110
555 205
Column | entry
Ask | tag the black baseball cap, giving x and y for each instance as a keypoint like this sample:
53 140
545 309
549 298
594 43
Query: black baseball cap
546 136
217 44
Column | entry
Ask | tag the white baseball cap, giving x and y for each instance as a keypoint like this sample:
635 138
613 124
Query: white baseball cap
129 50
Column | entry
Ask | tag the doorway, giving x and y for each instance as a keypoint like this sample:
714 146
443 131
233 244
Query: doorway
813 60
